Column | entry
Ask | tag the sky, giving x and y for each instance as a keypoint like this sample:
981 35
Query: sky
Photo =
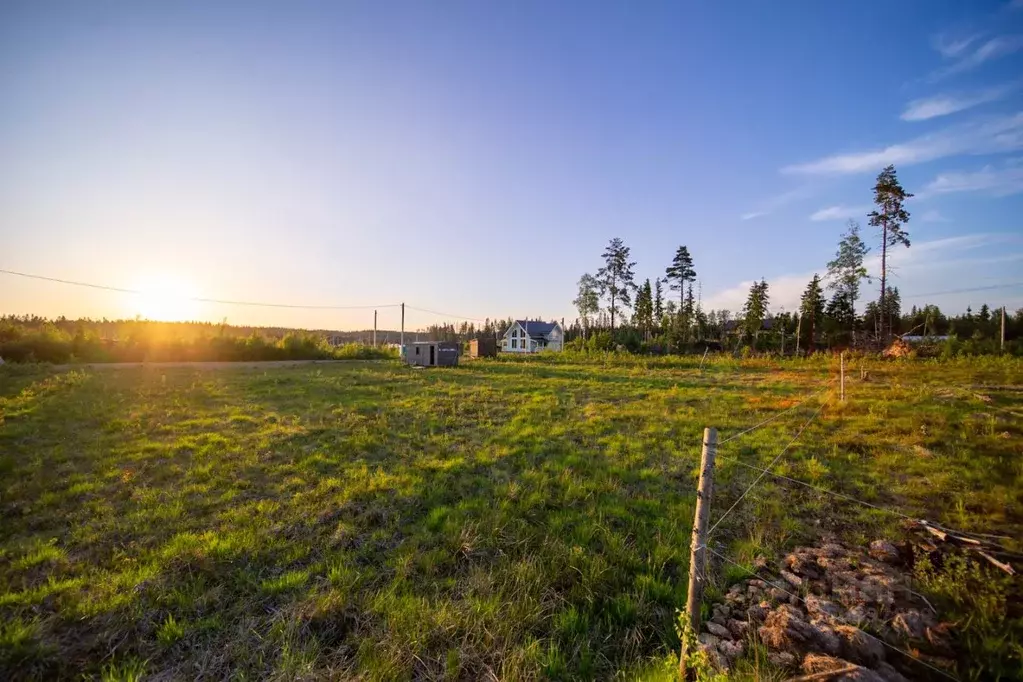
474 158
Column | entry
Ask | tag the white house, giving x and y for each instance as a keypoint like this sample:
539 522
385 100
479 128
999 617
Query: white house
532 336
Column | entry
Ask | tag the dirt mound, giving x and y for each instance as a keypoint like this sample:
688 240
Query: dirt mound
833 609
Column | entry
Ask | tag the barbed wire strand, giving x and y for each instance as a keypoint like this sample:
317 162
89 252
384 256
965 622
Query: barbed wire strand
197 299
833 618
777 416
773 462
887 510
842 496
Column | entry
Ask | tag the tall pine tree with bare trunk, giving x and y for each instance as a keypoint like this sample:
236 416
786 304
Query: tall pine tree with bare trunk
616 278
679 272
891 217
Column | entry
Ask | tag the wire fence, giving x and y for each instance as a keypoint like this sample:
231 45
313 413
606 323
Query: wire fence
766 472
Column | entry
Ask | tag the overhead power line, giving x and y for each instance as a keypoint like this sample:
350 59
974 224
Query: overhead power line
967 291
434 312
198 299
67 281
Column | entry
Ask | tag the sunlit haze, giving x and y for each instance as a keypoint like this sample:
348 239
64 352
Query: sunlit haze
474 158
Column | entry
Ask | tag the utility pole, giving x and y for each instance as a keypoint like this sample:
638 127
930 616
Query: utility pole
402 341
374 328
1003 329
782 328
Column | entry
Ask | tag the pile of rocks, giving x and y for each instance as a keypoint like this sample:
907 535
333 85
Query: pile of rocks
815 612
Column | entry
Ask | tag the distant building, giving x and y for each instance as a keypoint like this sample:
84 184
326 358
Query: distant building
914 338
431 353
532 336
485 347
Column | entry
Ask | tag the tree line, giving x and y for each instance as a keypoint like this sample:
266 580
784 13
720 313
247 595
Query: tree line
827 314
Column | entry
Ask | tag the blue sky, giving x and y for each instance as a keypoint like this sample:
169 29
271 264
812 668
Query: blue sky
474 158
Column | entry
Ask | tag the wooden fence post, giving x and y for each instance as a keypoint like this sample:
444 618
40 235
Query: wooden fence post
842 369
697 549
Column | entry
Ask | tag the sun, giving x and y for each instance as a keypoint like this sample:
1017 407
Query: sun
166 299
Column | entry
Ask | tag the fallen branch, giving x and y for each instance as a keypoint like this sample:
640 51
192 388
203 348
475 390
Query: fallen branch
929 605
826 675
1004 566
979 546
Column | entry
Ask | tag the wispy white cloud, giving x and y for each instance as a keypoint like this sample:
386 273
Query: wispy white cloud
840 212
774 203
943 105
953 47
933 216
968 59
784 292
999 181
983 136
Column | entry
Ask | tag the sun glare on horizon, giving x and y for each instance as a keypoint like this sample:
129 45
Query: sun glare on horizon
165 299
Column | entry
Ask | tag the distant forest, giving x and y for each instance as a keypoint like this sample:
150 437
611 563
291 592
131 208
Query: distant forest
37 339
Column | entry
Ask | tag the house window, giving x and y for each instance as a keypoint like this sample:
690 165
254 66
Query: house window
515 343
417 350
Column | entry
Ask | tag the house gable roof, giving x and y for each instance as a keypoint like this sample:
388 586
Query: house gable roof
536 327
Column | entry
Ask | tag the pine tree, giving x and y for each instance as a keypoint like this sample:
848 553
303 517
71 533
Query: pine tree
616 278
811 308
679 272
891 217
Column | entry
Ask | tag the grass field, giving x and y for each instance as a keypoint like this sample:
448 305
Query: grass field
513 519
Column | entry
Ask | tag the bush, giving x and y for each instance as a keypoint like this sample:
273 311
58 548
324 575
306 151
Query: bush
35 341
599 341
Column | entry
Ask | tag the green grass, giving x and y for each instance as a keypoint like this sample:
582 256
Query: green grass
526 518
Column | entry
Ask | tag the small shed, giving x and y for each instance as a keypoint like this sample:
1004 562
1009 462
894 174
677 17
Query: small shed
431 353
483 348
